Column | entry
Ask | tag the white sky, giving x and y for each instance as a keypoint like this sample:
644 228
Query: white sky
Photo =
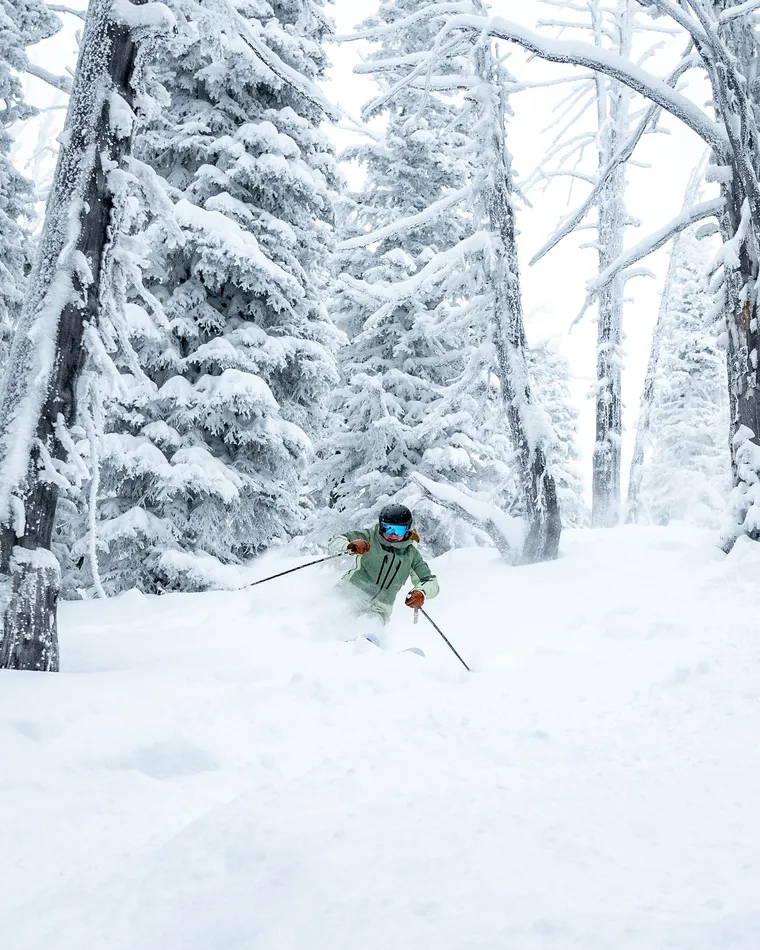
554 289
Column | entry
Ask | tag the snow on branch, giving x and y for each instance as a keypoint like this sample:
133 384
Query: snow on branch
506 532
600 60
734 13
61 8
682 17
349 124
432 10
63 83
409 223
572 221
650 244
436 270
249 31
424 68
390 63
145 16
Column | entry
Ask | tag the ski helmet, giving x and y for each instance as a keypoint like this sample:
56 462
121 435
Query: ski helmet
396 514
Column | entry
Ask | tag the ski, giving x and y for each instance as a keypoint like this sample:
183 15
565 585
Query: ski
375 642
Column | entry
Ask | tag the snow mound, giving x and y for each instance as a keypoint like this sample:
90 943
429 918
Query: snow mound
224 770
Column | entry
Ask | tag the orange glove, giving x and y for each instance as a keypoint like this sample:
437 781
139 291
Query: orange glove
358 547
415 599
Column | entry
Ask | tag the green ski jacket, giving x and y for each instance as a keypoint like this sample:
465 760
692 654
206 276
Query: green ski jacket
377 577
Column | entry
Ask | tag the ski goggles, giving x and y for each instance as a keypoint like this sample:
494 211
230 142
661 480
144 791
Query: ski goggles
394 530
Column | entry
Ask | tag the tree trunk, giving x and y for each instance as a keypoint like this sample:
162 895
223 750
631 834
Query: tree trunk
30 636
743 389
538 485
63 299
736 101
613 106
609 418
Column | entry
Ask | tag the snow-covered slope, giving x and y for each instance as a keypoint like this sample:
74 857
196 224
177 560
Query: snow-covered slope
223 772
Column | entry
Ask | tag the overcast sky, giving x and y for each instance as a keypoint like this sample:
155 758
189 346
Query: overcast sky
553 289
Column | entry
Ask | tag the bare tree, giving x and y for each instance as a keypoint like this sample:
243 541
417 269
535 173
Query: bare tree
40 391
609 27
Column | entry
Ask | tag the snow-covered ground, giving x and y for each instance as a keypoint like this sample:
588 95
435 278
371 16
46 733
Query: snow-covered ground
222 771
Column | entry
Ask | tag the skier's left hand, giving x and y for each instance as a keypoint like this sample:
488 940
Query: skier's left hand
415 599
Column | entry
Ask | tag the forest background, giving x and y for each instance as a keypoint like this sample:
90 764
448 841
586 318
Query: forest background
554 289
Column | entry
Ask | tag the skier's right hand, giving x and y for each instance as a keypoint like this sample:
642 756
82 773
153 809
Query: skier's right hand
358 547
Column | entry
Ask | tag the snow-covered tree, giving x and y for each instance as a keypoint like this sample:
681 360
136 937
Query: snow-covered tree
205 448
481 269
41 388
600 118
686 472
724 43
22 24
418 393
641 444
550 373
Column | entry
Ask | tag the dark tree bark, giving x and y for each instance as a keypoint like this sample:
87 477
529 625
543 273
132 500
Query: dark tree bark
63 299
732 70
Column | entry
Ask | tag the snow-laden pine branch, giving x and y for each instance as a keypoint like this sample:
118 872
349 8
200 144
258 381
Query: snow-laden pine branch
442 267
249 32
411 222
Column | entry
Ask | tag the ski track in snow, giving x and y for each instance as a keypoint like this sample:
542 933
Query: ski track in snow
223 772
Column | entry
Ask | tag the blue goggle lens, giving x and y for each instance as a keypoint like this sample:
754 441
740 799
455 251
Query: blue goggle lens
395 530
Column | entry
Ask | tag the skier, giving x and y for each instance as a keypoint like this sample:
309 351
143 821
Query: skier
386 557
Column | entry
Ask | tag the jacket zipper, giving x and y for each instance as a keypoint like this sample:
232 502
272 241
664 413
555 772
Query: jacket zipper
392 579
382 568
388 572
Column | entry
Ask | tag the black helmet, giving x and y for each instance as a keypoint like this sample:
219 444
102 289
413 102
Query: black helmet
396 514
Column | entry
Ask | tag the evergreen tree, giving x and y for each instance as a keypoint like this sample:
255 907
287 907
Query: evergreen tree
480 273
687 474
22 24
206 445
418 393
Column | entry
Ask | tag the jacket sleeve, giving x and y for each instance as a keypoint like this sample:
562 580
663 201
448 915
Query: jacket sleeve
422 577
340 542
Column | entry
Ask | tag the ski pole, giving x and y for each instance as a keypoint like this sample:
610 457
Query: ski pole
427 617
292 570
